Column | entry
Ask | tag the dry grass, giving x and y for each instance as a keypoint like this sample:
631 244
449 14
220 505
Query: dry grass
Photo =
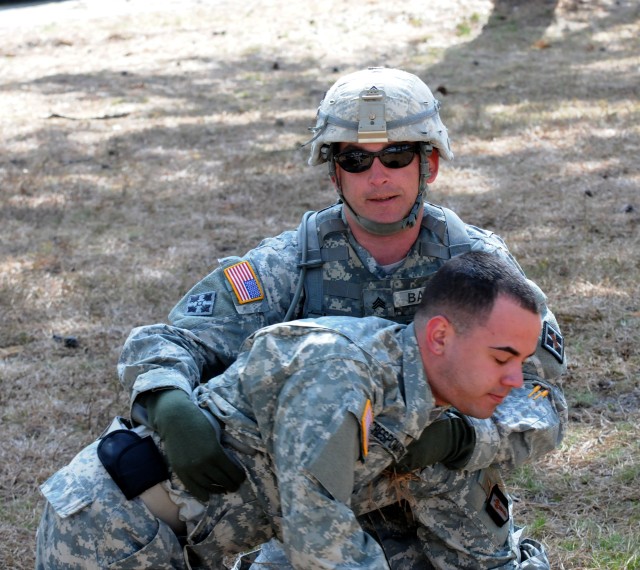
140 146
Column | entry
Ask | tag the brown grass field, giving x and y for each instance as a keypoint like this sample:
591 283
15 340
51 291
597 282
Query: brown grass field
139 145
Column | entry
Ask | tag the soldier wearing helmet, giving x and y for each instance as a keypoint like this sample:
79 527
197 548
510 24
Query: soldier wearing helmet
379 105
370 254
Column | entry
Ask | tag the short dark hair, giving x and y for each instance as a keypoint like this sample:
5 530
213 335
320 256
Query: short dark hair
466 287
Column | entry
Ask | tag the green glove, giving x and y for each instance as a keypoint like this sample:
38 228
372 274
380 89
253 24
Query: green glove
449 440
192 444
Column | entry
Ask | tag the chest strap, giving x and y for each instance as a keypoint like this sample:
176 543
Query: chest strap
312 232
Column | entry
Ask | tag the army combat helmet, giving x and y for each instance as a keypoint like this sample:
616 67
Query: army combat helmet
380 105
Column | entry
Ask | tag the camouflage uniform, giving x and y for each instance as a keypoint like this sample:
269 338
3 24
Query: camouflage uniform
208 327
309 467
210 323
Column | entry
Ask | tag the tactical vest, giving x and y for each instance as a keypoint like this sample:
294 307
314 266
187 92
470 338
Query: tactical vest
336 282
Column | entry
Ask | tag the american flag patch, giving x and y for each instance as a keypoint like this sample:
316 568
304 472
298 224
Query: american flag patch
365 425
244 282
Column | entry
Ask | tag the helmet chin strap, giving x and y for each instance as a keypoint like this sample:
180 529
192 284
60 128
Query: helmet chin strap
387 229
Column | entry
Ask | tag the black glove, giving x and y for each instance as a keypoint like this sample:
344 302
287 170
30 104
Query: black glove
191 444
449 440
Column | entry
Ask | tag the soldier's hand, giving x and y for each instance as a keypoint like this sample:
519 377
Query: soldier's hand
449 440
191 444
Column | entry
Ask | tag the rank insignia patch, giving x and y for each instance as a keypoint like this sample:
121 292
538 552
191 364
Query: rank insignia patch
365 425
244 282
201 305
553 341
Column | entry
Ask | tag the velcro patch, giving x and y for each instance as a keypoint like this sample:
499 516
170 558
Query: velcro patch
201 305
498 507
553 342
333 466
409 297
365 425
244 282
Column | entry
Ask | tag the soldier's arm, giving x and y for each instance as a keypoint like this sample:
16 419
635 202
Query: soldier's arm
316 449
208 326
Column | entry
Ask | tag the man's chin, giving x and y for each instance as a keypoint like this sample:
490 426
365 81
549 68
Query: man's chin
479 414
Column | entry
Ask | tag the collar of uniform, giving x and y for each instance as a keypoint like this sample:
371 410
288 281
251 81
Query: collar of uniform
419 399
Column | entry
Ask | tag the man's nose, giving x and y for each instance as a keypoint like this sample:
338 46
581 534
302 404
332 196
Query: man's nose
378 171
514 377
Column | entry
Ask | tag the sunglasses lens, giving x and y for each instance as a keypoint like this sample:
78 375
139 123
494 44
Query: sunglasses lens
397 156
356 161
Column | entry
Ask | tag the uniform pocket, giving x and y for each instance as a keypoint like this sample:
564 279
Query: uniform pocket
163 552
66 492
226 530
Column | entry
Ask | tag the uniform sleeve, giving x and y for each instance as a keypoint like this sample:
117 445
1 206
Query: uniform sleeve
317 442
208 326
524 428
521 429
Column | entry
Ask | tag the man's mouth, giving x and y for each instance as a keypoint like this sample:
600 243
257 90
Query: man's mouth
497 398
382 199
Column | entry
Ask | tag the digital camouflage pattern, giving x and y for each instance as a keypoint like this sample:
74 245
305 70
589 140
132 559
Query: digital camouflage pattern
198 346
310 470
208 327
406 111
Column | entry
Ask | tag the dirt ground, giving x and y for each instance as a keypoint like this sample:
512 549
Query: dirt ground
141 143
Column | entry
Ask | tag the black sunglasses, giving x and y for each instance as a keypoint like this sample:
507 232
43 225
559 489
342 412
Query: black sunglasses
394 156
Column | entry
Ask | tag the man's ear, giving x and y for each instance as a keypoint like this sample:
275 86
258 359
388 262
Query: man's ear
434 163
437 332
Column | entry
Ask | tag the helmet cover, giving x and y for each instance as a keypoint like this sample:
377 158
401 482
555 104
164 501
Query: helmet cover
378 104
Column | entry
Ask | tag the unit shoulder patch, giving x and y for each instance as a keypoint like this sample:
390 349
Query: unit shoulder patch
201 305
553 341
244 282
